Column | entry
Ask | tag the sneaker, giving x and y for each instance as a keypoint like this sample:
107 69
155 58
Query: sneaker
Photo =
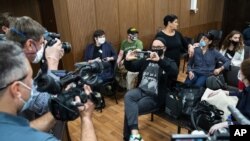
135 138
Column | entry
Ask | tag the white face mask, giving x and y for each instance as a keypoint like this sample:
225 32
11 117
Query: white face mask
101 40
26 103
39 55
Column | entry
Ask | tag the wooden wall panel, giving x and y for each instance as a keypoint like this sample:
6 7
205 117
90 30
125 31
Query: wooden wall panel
82 25
22 8
107 19
203 10
175 7
161 10
219 10
184 18
146 21
77 19
128 16
63 26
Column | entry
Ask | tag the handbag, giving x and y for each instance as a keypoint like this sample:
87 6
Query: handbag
181 99
205 115
216 82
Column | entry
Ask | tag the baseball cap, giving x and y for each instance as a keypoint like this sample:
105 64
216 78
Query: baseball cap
132 30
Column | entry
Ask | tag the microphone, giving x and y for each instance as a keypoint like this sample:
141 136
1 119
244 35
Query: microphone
238 115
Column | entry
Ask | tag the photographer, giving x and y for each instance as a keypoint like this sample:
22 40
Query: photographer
15 92
29 34
155 75
243 104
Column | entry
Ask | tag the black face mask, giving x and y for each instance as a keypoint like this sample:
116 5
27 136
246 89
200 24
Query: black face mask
159 52
234 43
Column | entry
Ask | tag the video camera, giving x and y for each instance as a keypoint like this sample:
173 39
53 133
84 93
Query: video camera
50 38
61 103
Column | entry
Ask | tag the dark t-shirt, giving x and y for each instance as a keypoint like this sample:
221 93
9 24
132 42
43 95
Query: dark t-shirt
175 45
229 54
97 52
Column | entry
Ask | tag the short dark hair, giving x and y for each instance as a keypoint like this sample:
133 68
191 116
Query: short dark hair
12 60
169 18
97 33
25 28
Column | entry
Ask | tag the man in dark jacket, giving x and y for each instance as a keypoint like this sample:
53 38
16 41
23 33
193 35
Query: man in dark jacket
155 73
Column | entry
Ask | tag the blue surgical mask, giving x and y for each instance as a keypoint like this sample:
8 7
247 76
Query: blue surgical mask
202 43
26 103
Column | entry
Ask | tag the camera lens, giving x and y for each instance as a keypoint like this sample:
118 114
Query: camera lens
66 46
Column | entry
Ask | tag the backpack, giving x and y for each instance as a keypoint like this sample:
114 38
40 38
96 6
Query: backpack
216 82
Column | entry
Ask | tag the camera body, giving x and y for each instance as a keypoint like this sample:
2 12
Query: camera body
50 37
142 54
61 103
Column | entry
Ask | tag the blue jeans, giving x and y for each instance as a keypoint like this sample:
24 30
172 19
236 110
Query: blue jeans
198 80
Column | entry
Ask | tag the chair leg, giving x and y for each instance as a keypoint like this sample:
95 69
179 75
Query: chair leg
184 65
115 98
178 129
152 117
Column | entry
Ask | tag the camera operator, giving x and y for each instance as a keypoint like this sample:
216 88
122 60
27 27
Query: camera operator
15 92
155 75
243 104
29 34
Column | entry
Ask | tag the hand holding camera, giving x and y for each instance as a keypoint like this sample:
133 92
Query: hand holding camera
131 55
87 109
55 52
153 56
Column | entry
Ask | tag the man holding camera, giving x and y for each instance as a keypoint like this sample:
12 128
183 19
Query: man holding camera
15 92
29 34
155 75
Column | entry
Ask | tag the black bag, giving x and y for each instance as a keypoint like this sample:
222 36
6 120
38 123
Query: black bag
216 82
205 115
181 99
173 104
190 97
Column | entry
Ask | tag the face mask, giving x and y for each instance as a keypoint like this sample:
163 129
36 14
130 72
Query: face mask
101 40
26 103
158 51
202 43
234 43
39 56
133 37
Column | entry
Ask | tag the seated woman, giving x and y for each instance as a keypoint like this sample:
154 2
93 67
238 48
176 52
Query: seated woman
203 62
233 48
243 104
101 50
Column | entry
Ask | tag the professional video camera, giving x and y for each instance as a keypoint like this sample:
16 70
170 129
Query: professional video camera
50 38
62 104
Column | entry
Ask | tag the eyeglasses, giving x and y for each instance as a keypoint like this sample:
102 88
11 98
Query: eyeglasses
7 85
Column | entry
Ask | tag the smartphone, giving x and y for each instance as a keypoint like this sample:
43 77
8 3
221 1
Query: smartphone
142 54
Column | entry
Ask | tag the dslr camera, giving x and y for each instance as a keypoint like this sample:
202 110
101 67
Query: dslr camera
61 103
50 37
142 54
